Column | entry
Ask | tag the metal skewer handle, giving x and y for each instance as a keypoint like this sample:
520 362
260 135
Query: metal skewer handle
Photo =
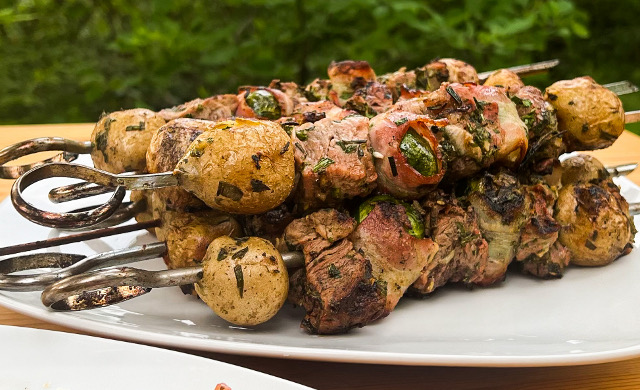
110 286
70 151
69 265
120 183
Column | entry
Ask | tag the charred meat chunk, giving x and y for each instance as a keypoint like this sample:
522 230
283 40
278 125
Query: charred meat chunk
167 147
337 287
462 251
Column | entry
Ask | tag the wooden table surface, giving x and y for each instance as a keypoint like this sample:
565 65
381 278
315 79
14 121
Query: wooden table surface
616 375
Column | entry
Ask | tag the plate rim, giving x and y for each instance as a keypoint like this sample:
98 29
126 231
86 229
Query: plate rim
152 339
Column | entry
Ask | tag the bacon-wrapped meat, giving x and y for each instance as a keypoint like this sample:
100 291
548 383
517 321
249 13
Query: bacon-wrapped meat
409 162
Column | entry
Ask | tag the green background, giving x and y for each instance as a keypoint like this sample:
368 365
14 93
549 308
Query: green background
68 61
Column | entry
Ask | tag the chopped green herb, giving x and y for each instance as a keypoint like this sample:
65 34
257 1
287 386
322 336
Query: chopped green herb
529 119
392 166
322 164
240 254
107 123
382 287
590 245
419 154
302 135
300 148
464 235
256 160
258 186
454 94
350 146
139 127
521 102
230 191
222 254
437 107
285 148
401 121
237 270
334 272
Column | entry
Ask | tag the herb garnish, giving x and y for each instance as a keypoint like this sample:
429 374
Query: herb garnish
237 270
392 165
322 164
334 272
259 186
454 94
351 145
401 121
139 127
230 191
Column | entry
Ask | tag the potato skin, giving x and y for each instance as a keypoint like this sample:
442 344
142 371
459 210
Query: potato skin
189 234
168 145
506 79
596 227
116 149
582 167
241 166
591 114
244 280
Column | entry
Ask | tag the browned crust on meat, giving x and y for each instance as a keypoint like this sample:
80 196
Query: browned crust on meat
336 288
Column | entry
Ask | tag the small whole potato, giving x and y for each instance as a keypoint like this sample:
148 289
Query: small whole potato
591 115
596 226
582 167
244 280
120 140
506 79
242 166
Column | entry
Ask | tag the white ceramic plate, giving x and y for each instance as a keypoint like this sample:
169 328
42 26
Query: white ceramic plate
588 316
42 359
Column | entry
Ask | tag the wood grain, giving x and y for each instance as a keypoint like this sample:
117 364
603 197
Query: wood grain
617 375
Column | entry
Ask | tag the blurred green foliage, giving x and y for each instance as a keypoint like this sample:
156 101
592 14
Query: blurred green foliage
67 61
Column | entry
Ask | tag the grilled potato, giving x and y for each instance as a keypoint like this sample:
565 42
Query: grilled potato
244 280
120 140
591 115
242 166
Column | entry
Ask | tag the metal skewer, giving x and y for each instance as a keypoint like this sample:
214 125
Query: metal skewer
70 151
525 70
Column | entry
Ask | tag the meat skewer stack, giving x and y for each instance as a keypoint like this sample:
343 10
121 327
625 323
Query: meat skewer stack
464 178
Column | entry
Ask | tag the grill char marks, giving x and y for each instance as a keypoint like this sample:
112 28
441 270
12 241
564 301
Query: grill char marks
336 287
462 253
